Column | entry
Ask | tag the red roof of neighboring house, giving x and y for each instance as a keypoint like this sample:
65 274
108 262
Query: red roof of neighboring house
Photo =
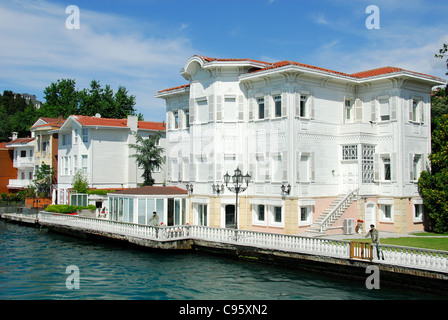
50 122
153 190
107 122
21 140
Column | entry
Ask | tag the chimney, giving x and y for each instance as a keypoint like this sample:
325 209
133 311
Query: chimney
132 122
15 135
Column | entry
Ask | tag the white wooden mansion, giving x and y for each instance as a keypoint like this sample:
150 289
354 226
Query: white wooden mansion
330 136
99 148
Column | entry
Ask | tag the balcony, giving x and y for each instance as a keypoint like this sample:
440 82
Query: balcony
23 162
358 129
19 183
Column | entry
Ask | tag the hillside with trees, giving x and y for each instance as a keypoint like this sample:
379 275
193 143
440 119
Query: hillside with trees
63 98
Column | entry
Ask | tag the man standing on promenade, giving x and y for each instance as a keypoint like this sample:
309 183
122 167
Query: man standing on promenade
155 219
375 236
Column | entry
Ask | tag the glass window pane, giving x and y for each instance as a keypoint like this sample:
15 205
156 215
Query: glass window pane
160 210
141 211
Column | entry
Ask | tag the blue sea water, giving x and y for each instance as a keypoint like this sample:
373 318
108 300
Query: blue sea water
33 266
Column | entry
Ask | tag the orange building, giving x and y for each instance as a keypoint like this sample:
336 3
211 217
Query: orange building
7 171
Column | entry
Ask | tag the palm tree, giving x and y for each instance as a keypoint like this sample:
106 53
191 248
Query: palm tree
149 155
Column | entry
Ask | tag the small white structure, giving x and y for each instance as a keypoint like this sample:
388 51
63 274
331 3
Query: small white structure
349 145
138 204
99 148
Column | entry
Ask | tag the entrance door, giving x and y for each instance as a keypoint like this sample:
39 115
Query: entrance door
230 216
349 176
370 215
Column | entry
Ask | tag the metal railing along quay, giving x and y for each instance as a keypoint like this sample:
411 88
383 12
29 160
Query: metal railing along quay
424 259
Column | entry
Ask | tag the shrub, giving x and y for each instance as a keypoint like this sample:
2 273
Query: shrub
65 208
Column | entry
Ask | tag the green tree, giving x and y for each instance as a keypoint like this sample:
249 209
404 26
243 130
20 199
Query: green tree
149 156
43 179
80 183
64 98
433 183
61 98
17 115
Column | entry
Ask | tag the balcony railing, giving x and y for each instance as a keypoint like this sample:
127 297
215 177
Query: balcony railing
424 259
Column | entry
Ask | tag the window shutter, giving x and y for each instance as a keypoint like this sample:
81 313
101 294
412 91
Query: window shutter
313 167
312 107
394 166
240 108
373 110
297 103
168 120
285 165
284 104
411 110
376 164
192 110
268 107
358 110
298 165
251 108
211 108
411 167
219 108
268 164
192 169
252 159
422 112
393 108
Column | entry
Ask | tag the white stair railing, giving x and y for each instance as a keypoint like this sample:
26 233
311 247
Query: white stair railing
338 210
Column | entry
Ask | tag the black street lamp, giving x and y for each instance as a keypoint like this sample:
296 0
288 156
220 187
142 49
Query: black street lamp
238 180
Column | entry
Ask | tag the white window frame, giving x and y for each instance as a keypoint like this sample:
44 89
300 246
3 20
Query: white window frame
272 214
308 209
255 214
277 104
261 102
383 204
418 203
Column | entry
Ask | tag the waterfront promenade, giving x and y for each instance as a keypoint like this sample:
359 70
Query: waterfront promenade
331 254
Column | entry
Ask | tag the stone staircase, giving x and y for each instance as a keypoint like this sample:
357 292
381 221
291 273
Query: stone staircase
332 213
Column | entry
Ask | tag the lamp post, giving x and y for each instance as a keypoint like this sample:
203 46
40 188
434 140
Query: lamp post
218 189
238 180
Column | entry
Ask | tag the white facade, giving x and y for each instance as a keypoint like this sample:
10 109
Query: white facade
99 148
323 132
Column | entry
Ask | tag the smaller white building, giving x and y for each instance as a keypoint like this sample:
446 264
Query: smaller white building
137 205
23 161
99 148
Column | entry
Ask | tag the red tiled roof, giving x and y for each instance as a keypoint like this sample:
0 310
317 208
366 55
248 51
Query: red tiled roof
122 123
153 190
21 140
175 88
269 66
287 62
50 122
375 72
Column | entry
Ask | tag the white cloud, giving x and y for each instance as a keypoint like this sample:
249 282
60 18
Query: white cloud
38 49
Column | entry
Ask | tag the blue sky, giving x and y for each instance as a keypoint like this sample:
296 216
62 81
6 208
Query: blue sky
142 45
